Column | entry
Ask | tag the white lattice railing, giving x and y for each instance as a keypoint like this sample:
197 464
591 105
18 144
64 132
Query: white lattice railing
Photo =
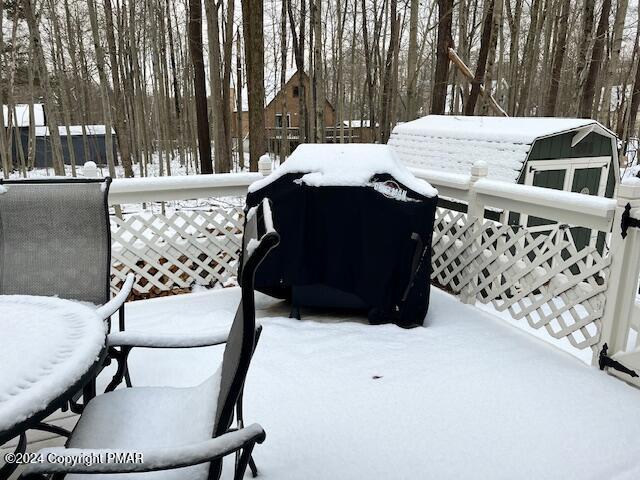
173 248
582 295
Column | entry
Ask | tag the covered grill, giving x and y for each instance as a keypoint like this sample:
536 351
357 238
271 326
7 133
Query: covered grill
355 229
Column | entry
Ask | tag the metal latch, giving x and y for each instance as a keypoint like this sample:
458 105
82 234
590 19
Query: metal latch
607 362
628 221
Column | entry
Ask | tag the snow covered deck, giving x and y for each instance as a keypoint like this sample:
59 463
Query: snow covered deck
469 396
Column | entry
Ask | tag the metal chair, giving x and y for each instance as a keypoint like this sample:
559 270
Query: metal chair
181 432
55 240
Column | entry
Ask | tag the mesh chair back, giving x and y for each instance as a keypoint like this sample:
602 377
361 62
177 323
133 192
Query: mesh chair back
55 239
258 240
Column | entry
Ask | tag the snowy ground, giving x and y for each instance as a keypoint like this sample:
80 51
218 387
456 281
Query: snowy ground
467 397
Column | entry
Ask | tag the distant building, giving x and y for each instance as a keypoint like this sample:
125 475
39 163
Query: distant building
91 147
275 118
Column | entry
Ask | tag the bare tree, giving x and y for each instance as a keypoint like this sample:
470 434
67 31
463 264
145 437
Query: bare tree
481 66
445 41
200 90
558 60
252 21
589 90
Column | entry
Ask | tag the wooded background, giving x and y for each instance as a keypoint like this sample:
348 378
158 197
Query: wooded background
165 73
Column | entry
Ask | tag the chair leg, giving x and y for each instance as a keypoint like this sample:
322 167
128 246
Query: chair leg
121 325
243 460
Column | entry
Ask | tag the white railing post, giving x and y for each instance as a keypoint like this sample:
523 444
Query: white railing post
265 165
475 213
623 276
479 170
90 169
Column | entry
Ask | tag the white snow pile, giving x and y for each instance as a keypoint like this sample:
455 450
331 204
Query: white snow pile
454 143
345 165
467 397
46 345
3 189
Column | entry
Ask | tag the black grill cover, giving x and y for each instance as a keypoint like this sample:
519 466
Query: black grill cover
361 247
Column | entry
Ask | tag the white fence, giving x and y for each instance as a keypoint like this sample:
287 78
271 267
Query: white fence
583 295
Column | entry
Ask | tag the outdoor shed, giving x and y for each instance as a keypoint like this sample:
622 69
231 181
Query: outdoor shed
90 147
571 154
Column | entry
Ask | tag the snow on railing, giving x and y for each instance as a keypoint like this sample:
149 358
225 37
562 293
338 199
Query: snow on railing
580 295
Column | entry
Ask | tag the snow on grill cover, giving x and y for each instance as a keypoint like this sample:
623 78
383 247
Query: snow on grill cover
355 232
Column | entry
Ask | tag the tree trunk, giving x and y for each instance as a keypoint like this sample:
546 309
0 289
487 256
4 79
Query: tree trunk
478 79
589 91
445 41
221 158
252 22
49 101
318 67
588 10
298 52
412 62
558 60
199 88
616 46
118 105
239 129
387 85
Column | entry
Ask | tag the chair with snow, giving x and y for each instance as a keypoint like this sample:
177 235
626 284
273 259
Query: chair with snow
180 432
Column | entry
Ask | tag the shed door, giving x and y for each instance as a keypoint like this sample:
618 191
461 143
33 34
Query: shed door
585 181
549 179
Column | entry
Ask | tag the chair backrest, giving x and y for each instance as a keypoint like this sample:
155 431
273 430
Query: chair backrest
258 240
55 238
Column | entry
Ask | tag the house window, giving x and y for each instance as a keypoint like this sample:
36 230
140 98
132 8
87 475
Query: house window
296 92
279 120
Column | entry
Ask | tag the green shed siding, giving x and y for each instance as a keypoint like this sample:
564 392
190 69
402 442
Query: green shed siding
559 146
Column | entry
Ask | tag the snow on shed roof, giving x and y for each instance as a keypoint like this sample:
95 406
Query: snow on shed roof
74 130
20 117
454 143
345 165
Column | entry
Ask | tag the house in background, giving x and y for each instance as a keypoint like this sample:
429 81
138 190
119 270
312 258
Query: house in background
275 118
88 147
571 154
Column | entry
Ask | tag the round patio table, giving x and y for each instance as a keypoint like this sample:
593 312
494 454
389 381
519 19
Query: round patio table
49 350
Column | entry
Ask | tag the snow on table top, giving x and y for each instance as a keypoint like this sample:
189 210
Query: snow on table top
454 143
46 345
345 165
468 397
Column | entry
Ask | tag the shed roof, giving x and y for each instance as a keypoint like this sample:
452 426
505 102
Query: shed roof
20 117
454 143
74 130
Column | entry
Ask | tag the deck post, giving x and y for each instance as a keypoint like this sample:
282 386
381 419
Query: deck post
623 274
475 211
264 165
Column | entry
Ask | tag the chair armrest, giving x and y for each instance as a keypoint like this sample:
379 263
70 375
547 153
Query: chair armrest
112 306
130 338
61 459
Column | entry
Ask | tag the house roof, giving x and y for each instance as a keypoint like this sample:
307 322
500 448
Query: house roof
454 143
20 117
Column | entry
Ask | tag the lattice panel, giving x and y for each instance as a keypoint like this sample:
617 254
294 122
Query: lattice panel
540 277
176 251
